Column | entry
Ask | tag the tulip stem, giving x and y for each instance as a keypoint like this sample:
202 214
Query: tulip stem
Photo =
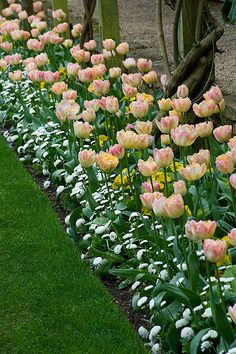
166 182
122 183
152 184
233 201
220 288
199 200
108 191
166 248
129 176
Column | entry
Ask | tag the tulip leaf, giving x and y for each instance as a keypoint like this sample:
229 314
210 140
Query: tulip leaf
177 293
126 273
75 215
194 345
225 189
194 271
172 335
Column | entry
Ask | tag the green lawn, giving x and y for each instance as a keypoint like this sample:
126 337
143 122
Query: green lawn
49 300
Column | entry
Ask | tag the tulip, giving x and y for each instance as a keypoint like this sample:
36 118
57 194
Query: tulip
80 55
3 65
143 127
6 46
232 180
61 28
232 143
35 33
158 205
41 59
225 163
180 187
90 45
214 94
150 77
59 15
36 75
147 199
145 97
166 124
151 187
193 172
184 135
165 139
139 109
69 95
182 91
15 75
163 157
19 35
35 45
129 63
59 87
232 237
23 15
223 133
101 87
107 54
112 104
13 59
97 59
200 230
76 30
88 115
165 104
122 48
232 312
72 69
133 80
220 107
181 104
86 75
214 251
204 129
99 70
50 77
117 150
204 109
37 6
174 206
86 158
115 72
109 44
143 141
144 65
127 139
148 168
67 110
94 104
129 91
203 156
106 162
82 130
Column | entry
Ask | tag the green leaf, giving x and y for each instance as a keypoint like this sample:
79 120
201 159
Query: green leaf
75 215
194 345
172 338
176 293
225 189
125 273
100 221
93 181
3 115
56 174
194 271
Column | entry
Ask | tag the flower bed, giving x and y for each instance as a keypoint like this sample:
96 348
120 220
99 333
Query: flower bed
148 182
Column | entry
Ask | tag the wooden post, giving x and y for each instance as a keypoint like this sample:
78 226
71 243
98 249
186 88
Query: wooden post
109 20
61 4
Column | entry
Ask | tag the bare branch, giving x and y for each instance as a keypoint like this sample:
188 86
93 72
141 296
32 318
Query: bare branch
178 7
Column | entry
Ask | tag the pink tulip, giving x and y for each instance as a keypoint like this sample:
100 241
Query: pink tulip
204 129
109 44
117 150
223 133
184 135
165 139
193 172
143 141
82 130
225 163
232 237
59 87
13 59
36 75
144 65
122 48
214 94
101 87
41 59
180 187
139 109
23 15
150 77
59 15
165 104
166 124
232 180
143 127
232 313
115 72
3 65
200 230
133 80
68 43
127 139
97 59
90 45
214 251
174 206
86 75
20 35
204 109
147 199
181 104
99 70
50 77
76 31
158 205
80 55
61 28
148 186
220 107
86 158
88 115
37 6
94 104
129 91
69 95
67 110
35 45
129 63
106 162
182 91
15 75
163 157
203 156
41 26
148 168
6 46
232 143
112 104
72 69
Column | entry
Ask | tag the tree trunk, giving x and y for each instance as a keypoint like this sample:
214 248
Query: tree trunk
27 5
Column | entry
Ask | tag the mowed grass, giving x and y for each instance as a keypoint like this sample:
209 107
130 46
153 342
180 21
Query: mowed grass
49 300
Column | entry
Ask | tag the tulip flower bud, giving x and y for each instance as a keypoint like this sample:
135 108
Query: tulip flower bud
232 313
82 130
106 162
223 133
182 91
174 206
232 237
200 230
86 158
148 168
180 187
214 251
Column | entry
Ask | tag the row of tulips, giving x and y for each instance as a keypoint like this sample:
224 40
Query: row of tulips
148 181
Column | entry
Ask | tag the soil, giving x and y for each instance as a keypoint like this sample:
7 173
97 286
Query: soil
138 28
